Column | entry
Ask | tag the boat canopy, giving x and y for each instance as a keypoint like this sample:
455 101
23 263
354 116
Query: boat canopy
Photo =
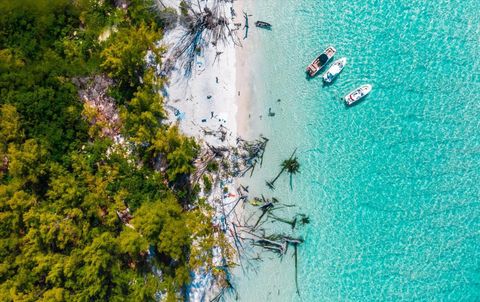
323 58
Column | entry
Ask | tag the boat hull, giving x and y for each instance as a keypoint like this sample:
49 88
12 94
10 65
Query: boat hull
334 70
321 61
263 24
357 94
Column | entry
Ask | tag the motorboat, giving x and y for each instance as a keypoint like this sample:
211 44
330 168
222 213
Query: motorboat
358 94
263 24
321 61
334 70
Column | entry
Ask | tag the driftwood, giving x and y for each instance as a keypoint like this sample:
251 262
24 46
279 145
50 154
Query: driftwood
295 247
248 237
299 218
252 155
277 244
239 199
234 161
265 209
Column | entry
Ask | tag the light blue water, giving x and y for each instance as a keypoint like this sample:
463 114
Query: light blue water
392 185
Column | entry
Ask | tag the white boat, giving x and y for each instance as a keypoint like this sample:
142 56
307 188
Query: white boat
334 70
358 94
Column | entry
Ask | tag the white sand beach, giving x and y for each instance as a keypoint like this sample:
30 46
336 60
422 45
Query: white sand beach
214 97
205 100
243 80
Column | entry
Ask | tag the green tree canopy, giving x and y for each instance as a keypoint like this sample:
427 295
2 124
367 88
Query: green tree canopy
84 218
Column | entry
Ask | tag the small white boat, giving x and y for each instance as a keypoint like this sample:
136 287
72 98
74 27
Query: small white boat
334 70
358 94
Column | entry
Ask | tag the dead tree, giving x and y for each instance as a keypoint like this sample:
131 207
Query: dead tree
203 26
251 154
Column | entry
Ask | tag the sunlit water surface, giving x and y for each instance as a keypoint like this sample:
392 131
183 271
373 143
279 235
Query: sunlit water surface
392 185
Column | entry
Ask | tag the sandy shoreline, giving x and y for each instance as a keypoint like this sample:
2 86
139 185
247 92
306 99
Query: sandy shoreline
205 100
243 95
218 91
248 112
215 97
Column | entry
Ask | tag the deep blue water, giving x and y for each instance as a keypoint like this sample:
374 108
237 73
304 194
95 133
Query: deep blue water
392 185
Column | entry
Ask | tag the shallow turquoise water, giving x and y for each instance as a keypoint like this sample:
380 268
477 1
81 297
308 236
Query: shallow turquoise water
392 185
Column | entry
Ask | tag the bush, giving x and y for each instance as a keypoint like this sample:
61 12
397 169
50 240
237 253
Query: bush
168 18
212 166
207 183
184 8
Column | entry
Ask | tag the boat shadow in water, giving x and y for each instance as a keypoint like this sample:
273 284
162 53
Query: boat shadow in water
309 77
327 84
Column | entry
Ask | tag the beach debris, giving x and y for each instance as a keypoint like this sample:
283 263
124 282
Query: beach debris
270 112
265 209
223 132
217 54
295 252
99 107
242 197
298 218
209 97
125 217
247 236
277 243
251 153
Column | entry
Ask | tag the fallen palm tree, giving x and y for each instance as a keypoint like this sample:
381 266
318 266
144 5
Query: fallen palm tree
291 165
275 243
299 218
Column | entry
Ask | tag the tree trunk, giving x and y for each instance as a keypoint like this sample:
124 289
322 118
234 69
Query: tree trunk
296 268
278 175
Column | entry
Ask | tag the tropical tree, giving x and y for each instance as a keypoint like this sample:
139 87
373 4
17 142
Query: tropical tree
123 58
291 165
84 218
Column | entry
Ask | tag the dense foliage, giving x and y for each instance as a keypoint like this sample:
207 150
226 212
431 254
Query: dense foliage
64 184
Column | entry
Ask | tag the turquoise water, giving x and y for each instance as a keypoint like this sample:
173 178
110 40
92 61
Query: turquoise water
392 185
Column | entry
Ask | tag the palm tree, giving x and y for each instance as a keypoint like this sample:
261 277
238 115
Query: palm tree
291 165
